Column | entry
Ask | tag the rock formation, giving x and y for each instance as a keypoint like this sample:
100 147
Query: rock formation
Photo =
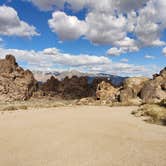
18 84
106 92
134 91
50 87
154 90
74 88
69 88
131 90
15 83
96 81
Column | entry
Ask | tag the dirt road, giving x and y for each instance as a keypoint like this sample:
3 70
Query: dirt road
80 136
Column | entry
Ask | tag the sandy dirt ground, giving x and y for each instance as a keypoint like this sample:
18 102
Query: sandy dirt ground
80 136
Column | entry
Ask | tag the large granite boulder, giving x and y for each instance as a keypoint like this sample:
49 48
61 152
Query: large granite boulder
154 90
131 89
15 83
94 84
106 92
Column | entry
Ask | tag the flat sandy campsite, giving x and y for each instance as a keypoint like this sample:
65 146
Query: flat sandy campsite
80 136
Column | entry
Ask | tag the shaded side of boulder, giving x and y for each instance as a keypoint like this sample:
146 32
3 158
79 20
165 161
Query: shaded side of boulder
74 88
154 90
69 88
15 83
131 89
50 87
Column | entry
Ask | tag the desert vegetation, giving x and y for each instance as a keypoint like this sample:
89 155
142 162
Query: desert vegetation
155 113
19 90
34 104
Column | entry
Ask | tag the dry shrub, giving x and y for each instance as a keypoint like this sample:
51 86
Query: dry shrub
10 108
155 112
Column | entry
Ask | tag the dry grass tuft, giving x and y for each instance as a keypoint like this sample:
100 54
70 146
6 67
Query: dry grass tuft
155 112
34 103
9 108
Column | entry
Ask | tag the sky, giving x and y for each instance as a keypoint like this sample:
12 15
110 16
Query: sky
126 38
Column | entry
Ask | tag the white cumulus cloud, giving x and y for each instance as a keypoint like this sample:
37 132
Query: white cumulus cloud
115 51
52 59
11 25
149 57
110 22
164 51
67 27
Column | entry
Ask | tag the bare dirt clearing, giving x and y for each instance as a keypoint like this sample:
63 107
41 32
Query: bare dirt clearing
80 136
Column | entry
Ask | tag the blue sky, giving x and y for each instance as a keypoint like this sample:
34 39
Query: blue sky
124 39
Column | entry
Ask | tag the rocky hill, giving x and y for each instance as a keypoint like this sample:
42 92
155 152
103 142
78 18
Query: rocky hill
19 84
154 90
70 88
108 89
15 83
137 90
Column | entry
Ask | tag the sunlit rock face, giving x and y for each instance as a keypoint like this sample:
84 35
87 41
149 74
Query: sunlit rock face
106 92
155 90
15 83
131 89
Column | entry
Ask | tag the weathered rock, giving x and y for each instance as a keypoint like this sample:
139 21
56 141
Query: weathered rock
126 95
86 101
163 86
154 90
96 81
50 87
163 73
74 88
15 83
131 88
151 93
69 88
106 92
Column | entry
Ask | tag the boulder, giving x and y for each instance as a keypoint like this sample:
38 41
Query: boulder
96 81
50 87
106 92
74 88
131 88
154 90
69 88
86 101
15 83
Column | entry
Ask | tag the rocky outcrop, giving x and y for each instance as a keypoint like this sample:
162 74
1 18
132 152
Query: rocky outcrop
96 81
142 90
50 87
154 90
131 88
15 83
69 88
74 88
106 92
134 91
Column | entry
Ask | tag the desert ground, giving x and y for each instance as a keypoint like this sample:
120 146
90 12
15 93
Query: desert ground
80 136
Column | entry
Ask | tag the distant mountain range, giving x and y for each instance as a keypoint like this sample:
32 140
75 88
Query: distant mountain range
44 76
